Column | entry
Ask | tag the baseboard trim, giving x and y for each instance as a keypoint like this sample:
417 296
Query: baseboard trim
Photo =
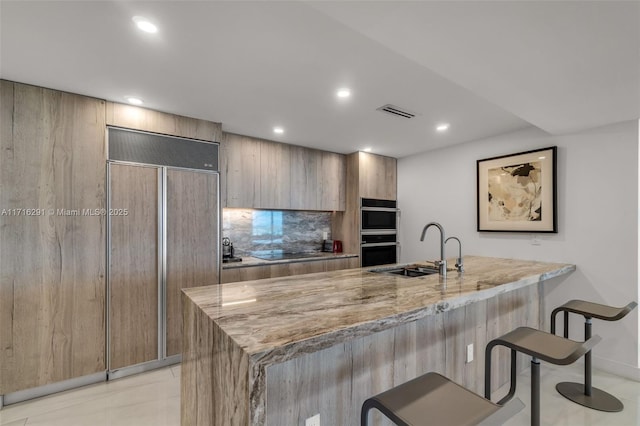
27 394
144 367
618 368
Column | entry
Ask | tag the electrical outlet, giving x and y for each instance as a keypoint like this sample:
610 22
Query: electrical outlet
535 240
469 353
325 236
313 421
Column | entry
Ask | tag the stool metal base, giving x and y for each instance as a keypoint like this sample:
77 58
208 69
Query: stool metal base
599 399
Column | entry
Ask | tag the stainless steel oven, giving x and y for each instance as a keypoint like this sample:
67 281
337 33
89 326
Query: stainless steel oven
378 248
378 215
378 232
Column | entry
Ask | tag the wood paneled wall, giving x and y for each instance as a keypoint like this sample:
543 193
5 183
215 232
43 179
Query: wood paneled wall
52 264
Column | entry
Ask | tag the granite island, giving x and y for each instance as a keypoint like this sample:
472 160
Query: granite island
277 351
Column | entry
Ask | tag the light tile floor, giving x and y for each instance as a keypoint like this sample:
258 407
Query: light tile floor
153 398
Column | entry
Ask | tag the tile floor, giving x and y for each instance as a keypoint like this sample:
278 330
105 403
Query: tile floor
153 398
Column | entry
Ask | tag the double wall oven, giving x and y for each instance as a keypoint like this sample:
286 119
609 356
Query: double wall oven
378 232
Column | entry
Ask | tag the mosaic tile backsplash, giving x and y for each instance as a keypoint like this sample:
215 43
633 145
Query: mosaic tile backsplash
254 231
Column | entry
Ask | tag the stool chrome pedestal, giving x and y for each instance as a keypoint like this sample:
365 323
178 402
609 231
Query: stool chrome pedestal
584 393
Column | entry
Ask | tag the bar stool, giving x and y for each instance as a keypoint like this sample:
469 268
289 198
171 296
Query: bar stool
539 345
585 394
433 399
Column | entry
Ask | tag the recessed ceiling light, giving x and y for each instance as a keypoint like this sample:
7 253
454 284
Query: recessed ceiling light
367 149
442 127
278 130
145 25
134 101
343 93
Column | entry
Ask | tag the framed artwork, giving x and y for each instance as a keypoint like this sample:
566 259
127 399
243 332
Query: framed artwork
517 192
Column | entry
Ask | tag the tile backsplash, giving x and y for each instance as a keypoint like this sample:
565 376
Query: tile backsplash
262 230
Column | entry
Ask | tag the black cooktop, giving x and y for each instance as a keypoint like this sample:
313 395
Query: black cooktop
278 255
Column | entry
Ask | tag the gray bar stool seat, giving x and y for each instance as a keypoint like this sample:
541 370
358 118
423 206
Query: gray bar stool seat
433 399
584 393
539 345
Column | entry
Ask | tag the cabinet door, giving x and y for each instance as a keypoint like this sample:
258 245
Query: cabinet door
305 171
240 160
134 117
275 175
133 266
332 181
377 176
192 257
52 261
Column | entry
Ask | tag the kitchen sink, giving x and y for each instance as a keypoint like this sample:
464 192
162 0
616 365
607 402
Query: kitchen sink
406 271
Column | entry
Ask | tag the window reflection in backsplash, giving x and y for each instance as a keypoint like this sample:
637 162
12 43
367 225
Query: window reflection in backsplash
258 230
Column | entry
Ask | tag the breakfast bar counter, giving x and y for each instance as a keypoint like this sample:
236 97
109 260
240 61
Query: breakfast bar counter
280 350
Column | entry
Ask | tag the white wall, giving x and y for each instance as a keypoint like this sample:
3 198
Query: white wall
597 222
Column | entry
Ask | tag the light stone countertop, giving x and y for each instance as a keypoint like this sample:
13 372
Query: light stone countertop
277 319
254 261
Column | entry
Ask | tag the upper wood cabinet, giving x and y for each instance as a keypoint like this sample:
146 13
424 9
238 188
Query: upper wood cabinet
275 175
377 176
52 257
137 118
332 185
258 173
305 172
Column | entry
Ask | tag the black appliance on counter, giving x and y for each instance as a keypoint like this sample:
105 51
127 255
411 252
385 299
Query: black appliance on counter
228 251
378 232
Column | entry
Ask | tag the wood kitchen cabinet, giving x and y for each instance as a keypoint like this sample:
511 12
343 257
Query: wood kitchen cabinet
368 176
133 117
52 257
305 174
377 176
257 173
332 181
250 273
275 175
240 171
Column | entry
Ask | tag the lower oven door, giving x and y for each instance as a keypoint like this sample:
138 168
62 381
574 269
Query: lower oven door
378 254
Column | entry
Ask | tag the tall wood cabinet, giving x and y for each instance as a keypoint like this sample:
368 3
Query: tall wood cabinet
368 176
52 251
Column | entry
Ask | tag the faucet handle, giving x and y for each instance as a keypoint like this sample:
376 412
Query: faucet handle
459 265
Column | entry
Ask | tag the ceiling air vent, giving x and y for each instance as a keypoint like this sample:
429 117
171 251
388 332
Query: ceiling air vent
397 111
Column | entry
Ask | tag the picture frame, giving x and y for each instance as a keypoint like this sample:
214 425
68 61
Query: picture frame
517 192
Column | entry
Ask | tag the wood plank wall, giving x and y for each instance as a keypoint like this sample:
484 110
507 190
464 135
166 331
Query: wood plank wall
52 265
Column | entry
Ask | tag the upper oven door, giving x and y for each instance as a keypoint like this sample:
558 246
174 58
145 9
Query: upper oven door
374 218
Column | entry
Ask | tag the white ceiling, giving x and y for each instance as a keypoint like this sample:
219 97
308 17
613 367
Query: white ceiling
486 67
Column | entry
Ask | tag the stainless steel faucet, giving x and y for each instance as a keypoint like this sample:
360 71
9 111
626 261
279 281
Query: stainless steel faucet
459 265
442 263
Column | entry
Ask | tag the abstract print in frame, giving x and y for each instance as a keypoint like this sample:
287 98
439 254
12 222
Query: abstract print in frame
517 192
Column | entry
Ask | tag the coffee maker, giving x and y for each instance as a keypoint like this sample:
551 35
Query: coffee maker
228 251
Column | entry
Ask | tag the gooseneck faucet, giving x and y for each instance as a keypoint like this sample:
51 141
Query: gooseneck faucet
442 263
459 265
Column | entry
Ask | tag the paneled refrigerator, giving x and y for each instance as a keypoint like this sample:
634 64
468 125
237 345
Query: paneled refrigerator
163 234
